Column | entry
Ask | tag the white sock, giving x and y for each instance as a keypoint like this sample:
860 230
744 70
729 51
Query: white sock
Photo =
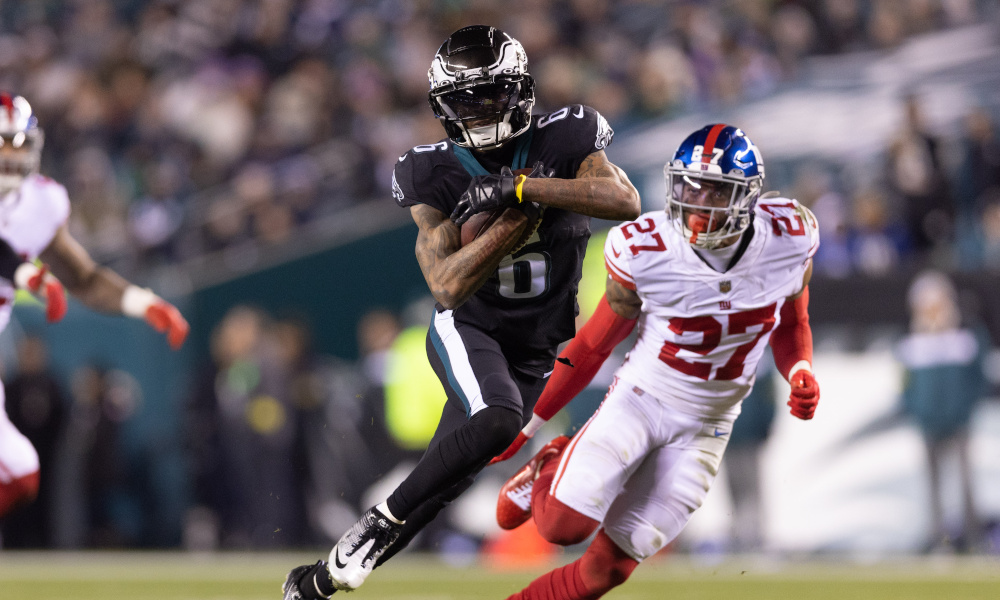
384 509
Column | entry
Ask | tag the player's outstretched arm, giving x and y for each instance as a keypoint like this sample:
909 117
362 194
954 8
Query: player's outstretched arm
600 190
791 344
37 280
454 273
612 322
101 289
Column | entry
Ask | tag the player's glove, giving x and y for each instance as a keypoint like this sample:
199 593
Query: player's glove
511 450
805 394
142 303
523 436
44 286
539 170
487 193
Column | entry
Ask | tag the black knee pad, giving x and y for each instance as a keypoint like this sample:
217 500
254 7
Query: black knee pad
495 427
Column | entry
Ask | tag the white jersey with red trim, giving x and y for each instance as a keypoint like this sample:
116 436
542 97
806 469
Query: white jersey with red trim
30 216
701 332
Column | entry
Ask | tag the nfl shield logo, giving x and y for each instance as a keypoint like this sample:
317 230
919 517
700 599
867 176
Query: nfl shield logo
725 286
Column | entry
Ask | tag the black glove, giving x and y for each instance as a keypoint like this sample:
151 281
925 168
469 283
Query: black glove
539 170
486 193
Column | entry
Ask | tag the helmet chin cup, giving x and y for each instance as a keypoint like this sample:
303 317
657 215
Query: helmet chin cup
489 136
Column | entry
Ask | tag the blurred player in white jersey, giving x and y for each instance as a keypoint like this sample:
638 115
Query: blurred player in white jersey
33 214
709 281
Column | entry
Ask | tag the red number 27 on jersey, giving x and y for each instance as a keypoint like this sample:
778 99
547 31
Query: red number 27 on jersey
711 330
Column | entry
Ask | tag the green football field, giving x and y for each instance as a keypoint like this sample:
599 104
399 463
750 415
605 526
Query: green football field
229 576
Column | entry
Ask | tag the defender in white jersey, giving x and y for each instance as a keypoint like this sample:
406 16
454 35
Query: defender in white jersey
709 281
33 214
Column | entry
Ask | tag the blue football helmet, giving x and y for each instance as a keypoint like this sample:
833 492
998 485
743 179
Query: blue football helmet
713 182
21 139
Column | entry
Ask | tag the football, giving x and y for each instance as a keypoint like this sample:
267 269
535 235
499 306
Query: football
480 222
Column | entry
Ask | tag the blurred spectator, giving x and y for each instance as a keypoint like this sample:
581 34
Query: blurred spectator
815 189
37 406
916 178
99 486
976 185
944 381
120 85
243 440
343 442
876 242
991 231
750 432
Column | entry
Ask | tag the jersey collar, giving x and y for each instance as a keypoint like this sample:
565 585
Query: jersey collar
475 168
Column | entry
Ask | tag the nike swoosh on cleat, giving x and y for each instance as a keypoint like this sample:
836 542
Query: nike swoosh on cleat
336 559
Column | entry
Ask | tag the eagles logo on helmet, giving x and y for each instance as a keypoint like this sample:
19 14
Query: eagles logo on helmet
21 142
722 158
480 88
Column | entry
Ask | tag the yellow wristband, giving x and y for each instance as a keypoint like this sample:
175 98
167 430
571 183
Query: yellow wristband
518 186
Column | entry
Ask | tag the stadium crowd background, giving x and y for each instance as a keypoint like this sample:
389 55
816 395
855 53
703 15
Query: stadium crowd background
184 127
187 128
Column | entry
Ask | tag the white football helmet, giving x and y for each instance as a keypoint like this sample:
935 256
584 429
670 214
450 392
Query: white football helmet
20 142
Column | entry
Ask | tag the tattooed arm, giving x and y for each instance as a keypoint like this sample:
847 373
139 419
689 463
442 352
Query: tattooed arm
600 190
454 273
625 302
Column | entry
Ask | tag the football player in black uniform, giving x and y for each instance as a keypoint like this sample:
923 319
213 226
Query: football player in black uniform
502 311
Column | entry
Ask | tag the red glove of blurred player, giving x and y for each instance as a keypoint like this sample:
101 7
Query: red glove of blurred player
512 449
165 318
805 394
161 315
46 287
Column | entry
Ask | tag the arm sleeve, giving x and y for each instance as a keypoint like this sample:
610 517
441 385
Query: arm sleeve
791 342
582 358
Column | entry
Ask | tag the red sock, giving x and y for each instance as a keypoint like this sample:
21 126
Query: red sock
602 567
21 490
557 522
563 583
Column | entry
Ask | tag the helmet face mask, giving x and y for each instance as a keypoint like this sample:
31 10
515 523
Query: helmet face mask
711 193
21 142
480 88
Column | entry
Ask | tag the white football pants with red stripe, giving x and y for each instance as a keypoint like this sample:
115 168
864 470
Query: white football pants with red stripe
640 467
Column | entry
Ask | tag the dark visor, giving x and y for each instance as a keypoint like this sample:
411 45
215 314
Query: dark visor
479 101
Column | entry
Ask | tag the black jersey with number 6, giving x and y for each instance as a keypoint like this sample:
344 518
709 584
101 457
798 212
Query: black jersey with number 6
529 303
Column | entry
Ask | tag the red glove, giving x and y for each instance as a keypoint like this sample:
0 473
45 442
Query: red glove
162 316
805 394
512 449
46 287
165 318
